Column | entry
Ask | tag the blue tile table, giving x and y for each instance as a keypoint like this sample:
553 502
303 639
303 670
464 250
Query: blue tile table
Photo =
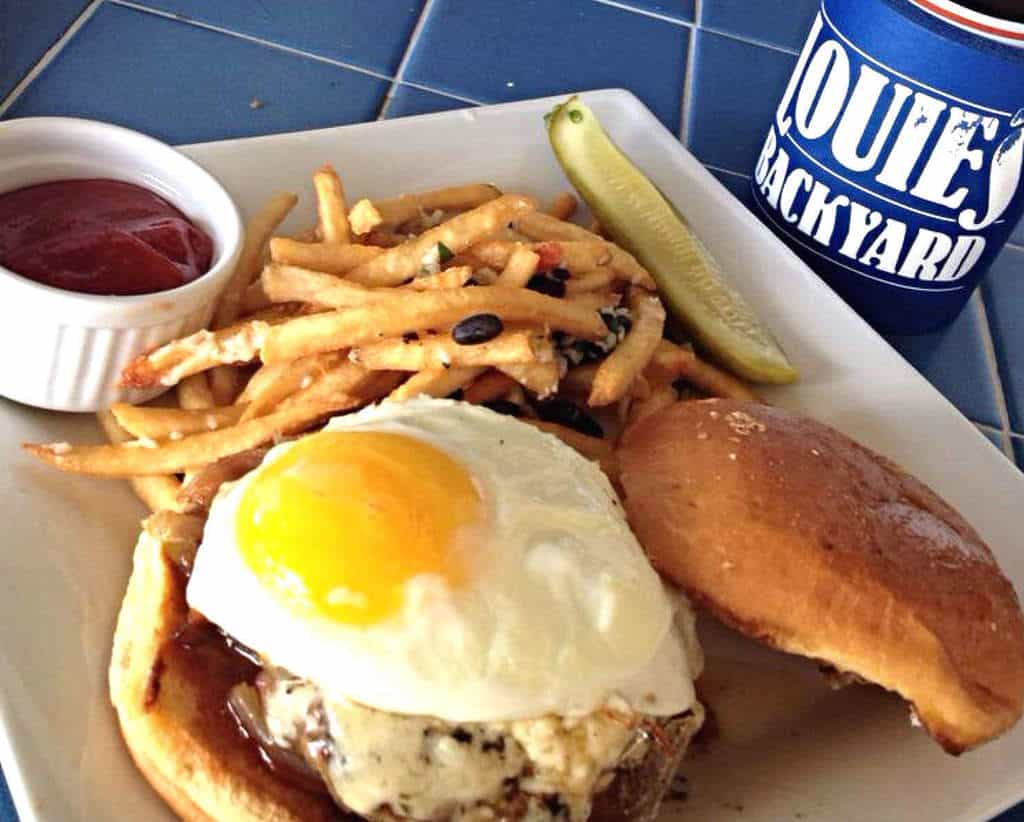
711 70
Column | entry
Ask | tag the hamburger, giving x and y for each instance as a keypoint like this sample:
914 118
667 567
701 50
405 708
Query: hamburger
800 538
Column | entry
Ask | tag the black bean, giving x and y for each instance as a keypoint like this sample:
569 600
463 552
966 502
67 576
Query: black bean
476 329
572 416
462 736
504 407
560 274
544 284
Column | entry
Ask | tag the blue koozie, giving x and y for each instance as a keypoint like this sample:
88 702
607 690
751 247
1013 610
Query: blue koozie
894 164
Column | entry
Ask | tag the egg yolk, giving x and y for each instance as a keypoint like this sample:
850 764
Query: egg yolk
342 519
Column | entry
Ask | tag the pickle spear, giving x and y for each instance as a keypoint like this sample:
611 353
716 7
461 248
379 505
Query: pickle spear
636 215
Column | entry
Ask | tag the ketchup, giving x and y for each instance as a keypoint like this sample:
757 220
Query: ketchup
100 237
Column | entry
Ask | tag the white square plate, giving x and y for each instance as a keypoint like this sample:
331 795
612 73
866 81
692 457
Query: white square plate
788 746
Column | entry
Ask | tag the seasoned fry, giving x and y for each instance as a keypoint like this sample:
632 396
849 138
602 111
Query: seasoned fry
254 299
454 277
631 356
595 280
594 300
171 457
364 217
435 382
398 264
194 392
660 398
157 493
271 384
577 257
421 311
330 205
520 266
226 383
398 210
198 352
289 283
489 386
540 226
563 206
257 233
339 388
672 362
155 423
579 382
332 259
198 492
540 378
594 449
405 354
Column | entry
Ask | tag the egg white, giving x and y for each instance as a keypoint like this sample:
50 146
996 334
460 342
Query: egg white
562 611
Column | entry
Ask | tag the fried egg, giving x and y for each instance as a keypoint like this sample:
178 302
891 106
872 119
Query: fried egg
437 558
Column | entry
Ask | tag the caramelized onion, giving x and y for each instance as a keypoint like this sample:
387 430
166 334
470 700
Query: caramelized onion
247 709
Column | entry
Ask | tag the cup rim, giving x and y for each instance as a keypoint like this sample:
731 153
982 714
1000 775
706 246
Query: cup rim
229 241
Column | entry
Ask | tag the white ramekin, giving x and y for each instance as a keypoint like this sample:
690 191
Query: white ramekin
63 350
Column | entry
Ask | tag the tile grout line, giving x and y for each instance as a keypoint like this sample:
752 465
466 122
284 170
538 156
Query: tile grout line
129 4
645 12
688 78
988 346
741 38
417 30
48 56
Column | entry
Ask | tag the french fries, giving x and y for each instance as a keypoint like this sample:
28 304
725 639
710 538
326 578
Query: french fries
520 265
539 378
435 382
257 234
155 423
575 256
596 279
630 357
158 493
400 263
272 384
424 310
139 458
194 392
198 352
563 206
674 362
331 259
330 206
489 386
539 226
454 277
442 351
399 210
363 308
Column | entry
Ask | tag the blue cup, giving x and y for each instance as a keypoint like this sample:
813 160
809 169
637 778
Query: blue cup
894 163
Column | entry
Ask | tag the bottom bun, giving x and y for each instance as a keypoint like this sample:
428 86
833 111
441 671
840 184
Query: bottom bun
169 681
187 748
797 536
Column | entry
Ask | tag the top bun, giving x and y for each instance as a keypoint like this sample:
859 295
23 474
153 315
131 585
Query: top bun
796 535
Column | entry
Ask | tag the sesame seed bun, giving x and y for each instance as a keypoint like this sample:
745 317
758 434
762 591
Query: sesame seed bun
797 536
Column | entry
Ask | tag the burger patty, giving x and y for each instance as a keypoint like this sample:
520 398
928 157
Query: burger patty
383 765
